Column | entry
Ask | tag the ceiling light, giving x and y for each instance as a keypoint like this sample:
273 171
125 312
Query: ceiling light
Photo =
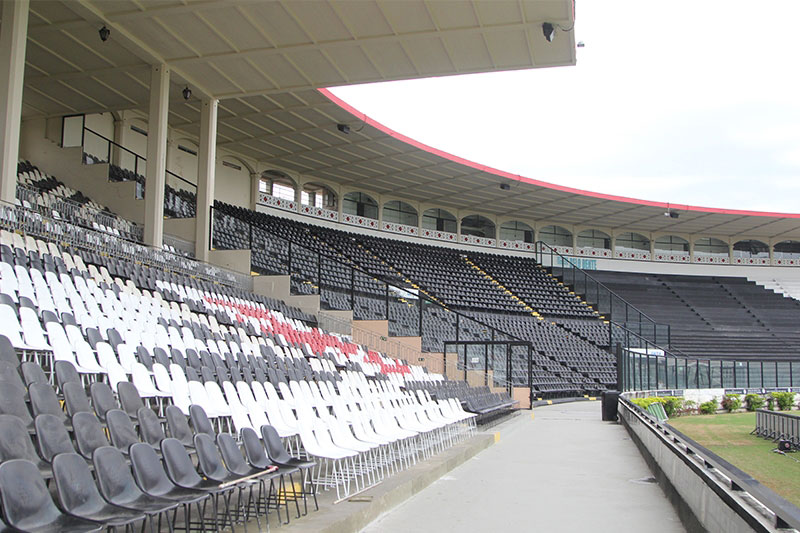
187 93
104 33
549 31
671 214
344 128
505 186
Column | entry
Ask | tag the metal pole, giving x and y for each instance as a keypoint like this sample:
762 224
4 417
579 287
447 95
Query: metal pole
319 273
486 364
289 268
530 373
387 301
352 288
421 304
211 228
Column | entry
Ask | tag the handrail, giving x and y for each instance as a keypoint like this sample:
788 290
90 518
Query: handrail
786 514
355 266
136 156
553 251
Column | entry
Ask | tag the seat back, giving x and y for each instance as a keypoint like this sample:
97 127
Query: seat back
232 454
65 372
209 459
147 470
75 399
26 501
89 433
121 429
149 426
74 484
254 450
129 398
200 420
16 443
114 478
272 441
180 468
52 437
102 399
32 373
45 401
179 426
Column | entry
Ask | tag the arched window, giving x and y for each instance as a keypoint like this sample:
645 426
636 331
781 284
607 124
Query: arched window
277 184
671 243
710 246
439 220
750 248
317 195
478 226
593 238
360 204
514 230
398 212
632 241
787 250
555 236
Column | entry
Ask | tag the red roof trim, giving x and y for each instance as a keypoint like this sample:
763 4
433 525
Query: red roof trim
500 173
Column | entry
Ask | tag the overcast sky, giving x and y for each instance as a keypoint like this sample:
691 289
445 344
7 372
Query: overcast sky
690 102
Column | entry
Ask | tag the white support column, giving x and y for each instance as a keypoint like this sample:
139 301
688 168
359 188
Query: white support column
13 38
206 176
255 180
156 156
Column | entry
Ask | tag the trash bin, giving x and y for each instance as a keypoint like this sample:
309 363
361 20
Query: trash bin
610 399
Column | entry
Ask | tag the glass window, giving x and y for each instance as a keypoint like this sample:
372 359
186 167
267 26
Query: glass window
398 212
439 220
279 190
787 250
318 196
360 204
633 241
594 239
515 230
711 246
555 236
477 226
750 248
671 243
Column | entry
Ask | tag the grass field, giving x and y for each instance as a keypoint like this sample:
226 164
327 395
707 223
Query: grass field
728 435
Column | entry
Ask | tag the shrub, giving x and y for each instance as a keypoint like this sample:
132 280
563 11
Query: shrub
785 400
688 406
731 402
754 401
672 404
709 407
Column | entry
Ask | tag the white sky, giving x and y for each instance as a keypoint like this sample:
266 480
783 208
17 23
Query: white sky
690 102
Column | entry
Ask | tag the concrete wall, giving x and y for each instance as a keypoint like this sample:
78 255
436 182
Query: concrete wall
703 501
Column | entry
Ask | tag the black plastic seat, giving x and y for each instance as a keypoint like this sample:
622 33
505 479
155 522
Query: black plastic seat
89 433
200 420
102 399
7 351
27 504
183 473
75 399
9 374
16 444
52 437
153 480
279 456
121 430
257 457
129 398
117 485
79 496
12 402
179 426
66 373
32 373
149 426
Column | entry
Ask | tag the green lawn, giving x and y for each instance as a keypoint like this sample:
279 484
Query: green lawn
728 435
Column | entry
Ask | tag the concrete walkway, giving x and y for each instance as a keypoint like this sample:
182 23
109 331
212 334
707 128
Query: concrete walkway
562 469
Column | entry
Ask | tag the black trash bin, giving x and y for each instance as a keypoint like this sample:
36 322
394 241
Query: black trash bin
610 399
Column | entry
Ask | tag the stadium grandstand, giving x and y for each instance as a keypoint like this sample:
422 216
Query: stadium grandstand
229 299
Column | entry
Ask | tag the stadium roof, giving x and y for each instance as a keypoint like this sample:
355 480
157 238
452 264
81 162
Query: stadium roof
265 61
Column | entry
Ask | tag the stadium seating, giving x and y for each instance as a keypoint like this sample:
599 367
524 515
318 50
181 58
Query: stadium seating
713 316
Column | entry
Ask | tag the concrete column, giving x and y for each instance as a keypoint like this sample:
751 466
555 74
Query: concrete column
117 157
13 38
156 156
206 175
255 179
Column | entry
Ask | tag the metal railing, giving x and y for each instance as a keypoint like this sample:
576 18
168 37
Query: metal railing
101 149
778 426
714 471
655 369
609 304
490 363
